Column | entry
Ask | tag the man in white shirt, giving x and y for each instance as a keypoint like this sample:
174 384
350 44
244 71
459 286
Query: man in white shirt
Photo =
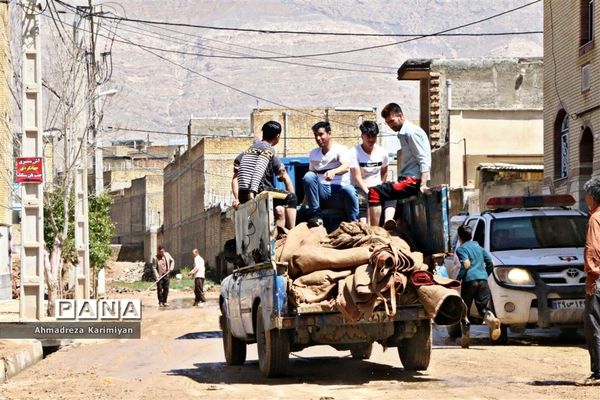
416 163
198 273
327 183
368 167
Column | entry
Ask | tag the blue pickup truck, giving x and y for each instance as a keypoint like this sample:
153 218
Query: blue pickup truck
254 298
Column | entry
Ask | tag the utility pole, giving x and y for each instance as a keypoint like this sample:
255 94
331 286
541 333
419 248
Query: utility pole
31 302
82 284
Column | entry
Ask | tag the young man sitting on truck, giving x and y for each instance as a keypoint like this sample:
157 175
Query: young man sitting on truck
253 172
416 163
475 265
368 167
327 183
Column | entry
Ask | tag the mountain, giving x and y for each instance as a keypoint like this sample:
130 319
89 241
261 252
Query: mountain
156 94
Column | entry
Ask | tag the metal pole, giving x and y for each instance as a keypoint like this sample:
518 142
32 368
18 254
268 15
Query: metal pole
31 302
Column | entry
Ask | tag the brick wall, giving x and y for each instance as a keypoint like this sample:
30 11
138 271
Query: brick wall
564 59
134 210
297 137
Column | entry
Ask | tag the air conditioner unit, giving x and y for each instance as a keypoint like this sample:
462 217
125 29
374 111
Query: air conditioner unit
586 79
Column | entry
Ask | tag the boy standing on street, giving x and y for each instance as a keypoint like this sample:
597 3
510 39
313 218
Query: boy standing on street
475 265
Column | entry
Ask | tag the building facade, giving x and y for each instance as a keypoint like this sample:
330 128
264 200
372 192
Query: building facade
123 164
478 110
135 211
571 96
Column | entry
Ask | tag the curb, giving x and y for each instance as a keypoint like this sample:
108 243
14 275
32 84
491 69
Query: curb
30 353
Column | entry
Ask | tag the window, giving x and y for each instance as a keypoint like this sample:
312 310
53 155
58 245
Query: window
479 234
586 22
538 232
561 145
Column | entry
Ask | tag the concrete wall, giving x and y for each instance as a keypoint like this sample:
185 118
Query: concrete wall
563 91
6 151
513 188
6 137
512 136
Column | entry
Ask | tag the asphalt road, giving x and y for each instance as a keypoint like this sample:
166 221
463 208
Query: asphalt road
180 356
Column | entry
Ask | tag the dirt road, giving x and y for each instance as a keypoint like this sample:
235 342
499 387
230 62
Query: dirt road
180 357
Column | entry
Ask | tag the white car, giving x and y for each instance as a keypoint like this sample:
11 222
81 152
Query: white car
537 246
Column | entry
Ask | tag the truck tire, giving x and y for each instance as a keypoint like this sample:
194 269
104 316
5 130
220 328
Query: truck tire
361 351
415 352
234 348
273 348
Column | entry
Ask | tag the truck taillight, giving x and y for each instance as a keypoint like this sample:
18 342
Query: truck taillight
560 200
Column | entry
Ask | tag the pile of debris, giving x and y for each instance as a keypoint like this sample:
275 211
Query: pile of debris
126 272
358 269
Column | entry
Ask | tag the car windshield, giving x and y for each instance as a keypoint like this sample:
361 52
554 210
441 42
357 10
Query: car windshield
538 232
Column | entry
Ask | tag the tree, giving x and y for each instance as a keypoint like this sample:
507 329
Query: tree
101 230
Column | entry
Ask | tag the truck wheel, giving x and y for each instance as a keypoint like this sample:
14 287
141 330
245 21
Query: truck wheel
361 351
234 348
273 348
503 335
415 352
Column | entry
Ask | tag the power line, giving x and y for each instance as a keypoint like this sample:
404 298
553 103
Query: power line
260 50
114 128
439 33
241 57
233 87
246 56
311 33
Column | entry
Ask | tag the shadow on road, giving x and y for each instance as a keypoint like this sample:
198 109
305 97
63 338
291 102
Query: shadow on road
552 337
553 383
202 335
313 370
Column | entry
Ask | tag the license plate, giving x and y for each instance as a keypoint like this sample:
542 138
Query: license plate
567 304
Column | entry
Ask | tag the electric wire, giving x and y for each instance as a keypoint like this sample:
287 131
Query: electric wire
347 51
315 33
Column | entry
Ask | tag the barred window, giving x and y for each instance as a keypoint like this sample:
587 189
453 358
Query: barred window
586 19
561 145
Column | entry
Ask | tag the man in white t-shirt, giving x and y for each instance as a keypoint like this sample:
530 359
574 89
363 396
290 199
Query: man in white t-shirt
198 273
368 167
327 183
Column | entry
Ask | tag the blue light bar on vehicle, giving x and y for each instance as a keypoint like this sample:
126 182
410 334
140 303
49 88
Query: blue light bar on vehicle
553 200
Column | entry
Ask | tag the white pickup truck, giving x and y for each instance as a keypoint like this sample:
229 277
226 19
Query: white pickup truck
536 243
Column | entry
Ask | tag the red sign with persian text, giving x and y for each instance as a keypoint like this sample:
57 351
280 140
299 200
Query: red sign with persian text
29 170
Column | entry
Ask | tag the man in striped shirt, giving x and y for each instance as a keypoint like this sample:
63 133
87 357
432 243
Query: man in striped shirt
253 173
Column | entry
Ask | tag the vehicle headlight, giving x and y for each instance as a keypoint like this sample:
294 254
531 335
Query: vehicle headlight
514 276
